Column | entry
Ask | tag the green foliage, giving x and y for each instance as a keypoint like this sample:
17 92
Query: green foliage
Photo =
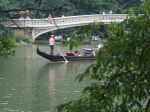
7 45
23 38
120 80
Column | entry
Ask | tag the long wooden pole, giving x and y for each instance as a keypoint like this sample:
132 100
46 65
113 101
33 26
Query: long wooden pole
61 53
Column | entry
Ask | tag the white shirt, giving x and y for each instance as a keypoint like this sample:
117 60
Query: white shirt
99 46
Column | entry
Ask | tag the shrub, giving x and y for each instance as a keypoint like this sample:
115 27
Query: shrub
23 38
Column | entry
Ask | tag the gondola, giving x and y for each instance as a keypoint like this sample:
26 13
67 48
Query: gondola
61 58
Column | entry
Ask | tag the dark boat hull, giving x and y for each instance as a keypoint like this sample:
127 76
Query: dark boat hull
61 58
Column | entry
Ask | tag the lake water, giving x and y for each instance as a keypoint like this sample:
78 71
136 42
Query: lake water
30 83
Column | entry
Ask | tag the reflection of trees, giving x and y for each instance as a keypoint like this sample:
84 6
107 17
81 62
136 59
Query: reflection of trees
53 79
74 66
52 82
45 88
77 66
41 90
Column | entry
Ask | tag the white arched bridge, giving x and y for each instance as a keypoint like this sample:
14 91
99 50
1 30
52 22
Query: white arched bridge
41 26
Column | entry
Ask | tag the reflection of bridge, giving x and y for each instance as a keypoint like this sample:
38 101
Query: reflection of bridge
41 26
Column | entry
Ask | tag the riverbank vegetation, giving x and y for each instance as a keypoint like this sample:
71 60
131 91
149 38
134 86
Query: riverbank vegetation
22 38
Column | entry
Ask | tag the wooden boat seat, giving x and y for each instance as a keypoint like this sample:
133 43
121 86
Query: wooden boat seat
70 54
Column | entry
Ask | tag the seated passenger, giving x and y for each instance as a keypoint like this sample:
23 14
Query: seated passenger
94 51
70 53
100 46
77 53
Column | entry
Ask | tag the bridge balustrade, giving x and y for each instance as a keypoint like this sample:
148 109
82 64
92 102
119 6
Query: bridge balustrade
44 25
107 18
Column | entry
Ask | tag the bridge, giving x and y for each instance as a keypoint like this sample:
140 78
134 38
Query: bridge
41 26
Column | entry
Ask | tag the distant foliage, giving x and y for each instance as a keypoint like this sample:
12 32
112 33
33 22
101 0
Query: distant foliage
23 38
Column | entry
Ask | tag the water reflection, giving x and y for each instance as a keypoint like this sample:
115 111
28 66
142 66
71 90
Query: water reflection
56 84
30 83
72 67
41 90
52 83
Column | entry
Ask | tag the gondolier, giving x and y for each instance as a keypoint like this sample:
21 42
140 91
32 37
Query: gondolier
51 43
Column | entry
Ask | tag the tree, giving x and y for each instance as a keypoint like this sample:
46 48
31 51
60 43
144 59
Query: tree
9 10
7 43
120 78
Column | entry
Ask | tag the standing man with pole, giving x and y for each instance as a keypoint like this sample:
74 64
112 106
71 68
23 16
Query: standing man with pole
51 43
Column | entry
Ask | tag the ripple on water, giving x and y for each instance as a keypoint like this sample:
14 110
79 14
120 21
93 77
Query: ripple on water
65 98
11 110
4 103
67 91
6 97
77 91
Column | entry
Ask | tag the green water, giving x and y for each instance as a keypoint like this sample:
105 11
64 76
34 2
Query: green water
30 83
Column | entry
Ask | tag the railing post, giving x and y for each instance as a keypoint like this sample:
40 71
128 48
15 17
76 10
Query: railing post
28 22
33 34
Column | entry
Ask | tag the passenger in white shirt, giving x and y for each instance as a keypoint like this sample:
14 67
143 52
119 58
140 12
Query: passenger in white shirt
100 45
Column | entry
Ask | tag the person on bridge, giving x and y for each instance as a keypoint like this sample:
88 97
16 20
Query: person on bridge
101 12
51 43
110 12
50 16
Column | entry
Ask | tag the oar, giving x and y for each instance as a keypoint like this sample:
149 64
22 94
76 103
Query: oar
61 53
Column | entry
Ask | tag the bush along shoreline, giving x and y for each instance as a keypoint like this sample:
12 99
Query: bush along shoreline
22 40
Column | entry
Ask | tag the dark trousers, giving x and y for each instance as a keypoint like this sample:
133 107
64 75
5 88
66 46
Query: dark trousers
52 49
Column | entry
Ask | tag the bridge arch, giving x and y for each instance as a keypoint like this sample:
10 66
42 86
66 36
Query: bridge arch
41 26
40 31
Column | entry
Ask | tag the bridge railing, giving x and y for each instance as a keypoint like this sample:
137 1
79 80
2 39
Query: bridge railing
46 22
